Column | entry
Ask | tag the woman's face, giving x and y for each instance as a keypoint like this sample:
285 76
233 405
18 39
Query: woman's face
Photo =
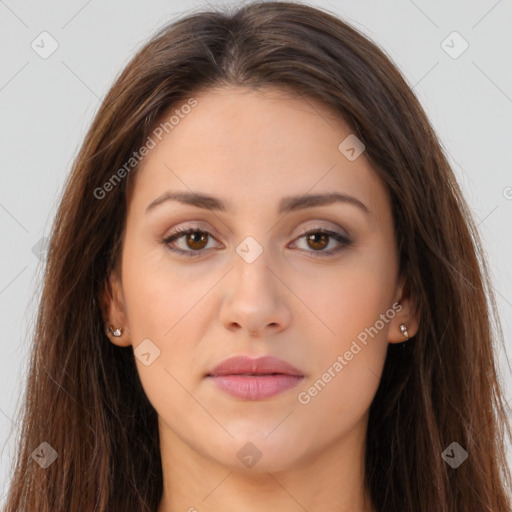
259 277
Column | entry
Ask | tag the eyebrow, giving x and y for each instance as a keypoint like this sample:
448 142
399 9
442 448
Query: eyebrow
286 205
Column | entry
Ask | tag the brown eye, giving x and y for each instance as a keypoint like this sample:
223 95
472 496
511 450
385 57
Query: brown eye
193 241
318 241
197 240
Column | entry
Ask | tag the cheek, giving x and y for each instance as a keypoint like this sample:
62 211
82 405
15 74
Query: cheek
347 371
349 356
158 293
165 303
350 297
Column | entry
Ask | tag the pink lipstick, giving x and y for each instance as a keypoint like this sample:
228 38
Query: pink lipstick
255 379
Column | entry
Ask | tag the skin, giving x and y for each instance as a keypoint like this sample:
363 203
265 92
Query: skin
251 149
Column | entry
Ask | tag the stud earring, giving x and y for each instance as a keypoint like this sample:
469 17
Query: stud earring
403 329
117 332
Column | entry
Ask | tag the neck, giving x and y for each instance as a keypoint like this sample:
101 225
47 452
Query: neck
330 480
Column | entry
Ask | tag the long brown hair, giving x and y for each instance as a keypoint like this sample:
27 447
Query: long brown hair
83 394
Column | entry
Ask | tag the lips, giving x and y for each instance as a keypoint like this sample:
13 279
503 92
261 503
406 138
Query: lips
255 379
243 365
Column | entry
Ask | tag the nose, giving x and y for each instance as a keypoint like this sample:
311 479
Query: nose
255 298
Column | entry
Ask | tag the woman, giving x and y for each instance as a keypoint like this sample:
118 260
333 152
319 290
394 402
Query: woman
264 290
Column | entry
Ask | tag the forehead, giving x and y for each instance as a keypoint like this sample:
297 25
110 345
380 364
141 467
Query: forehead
256 146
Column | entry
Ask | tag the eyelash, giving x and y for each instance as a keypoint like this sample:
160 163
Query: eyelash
179 233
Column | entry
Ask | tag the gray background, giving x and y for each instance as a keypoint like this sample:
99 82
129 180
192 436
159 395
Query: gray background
47 105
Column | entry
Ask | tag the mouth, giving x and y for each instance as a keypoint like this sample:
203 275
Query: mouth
255 379
255 387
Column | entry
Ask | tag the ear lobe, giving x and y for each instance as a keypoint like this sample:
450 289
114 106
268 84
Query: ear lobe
112 309
408 315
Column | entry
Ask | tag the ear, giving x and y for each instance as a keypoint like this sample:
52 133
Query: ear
407 313
113 310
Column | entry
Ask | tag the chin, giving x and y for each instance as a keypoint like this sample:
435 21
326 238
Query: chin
256 453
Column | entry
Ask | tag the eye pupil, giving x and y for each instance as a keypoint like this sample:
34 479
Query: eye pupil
314 238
